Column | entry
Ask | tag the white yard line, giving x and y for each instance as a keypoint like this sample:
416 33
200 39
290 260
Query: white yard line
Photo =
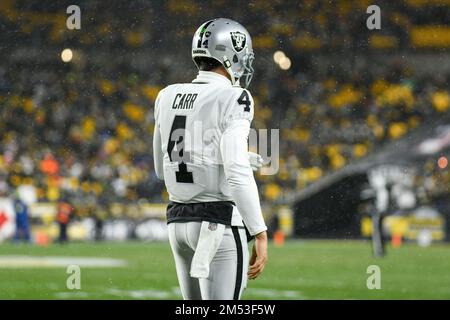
16 261
274 293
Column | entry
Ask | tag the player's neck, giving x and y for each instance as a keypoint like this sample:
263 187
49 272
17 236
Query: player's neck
222 71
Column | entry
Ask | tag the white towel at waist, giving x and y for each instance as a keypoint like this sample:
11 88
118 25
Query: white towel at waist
209 240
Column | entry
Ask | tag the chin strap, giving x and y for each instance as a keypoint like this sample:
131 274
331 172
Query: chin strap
227 66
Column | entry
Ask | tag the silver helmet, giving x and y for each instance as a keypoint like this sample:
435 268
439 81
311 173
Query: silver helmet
228 42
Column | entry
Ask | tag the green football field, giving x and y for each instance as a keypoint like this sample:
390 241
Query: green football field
298 270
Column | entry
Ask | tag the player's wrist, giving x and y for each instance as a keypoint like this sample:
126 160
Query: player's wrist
261 235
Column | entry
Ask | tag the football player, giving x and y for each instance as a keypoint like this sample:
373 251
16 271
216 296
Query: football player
201 153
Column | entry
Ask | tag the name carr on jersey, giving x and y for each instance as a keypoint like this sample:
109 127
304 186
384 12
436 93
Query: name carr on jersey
184 101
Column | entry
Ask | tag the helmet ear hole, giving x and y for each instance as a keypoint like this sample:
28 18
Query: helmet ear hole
235 59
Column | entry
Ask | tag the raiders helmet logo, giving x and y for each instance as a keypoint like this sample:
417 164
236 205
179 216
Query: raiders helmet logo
238 39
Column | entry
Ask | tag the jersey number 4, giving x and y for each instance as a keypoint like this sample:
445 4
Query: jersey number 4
177 132
245 99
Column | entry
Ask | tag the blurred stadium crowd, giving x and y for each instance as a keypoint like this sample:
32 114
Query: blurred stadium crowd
83 131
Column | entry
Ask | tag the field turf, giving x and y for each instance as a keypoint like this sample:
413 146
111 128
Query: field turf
298 270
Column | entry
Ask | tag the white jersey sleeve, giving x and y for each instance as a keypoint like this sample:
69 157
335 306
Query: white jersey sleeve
237 117
239 106
157 145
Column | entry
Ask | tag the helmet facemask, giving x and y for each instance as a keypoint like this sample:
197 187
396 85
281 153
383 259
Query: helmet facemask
246 65
247 62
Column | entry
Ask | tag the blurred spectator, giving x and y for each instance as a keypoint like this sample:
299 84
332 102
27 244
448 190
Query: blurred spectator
22 221
63 216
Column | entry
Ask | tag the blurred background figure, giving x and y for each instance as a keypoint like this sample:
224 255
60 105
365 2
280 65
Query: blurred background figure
63 216
23 232
391 193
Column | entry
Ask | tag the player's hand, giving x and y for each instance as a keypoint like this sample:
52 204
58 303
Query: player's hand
256 161
259 256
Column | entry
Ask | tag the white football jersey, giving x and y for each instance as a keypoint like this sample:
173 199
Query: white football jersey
193 170
191 122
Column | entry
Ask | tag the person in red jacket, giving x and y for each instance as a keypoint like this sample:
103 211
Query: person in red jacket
63 215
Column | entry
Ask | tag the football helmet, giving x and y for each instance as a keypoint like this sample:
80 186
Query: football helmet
228 42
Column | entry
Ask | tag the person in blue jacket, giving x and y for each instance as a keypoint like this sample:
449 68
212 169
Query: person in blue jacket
22 221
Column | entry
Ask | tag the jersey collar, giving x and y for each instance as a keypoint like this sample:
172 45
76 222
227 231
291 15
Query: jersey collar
211 77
